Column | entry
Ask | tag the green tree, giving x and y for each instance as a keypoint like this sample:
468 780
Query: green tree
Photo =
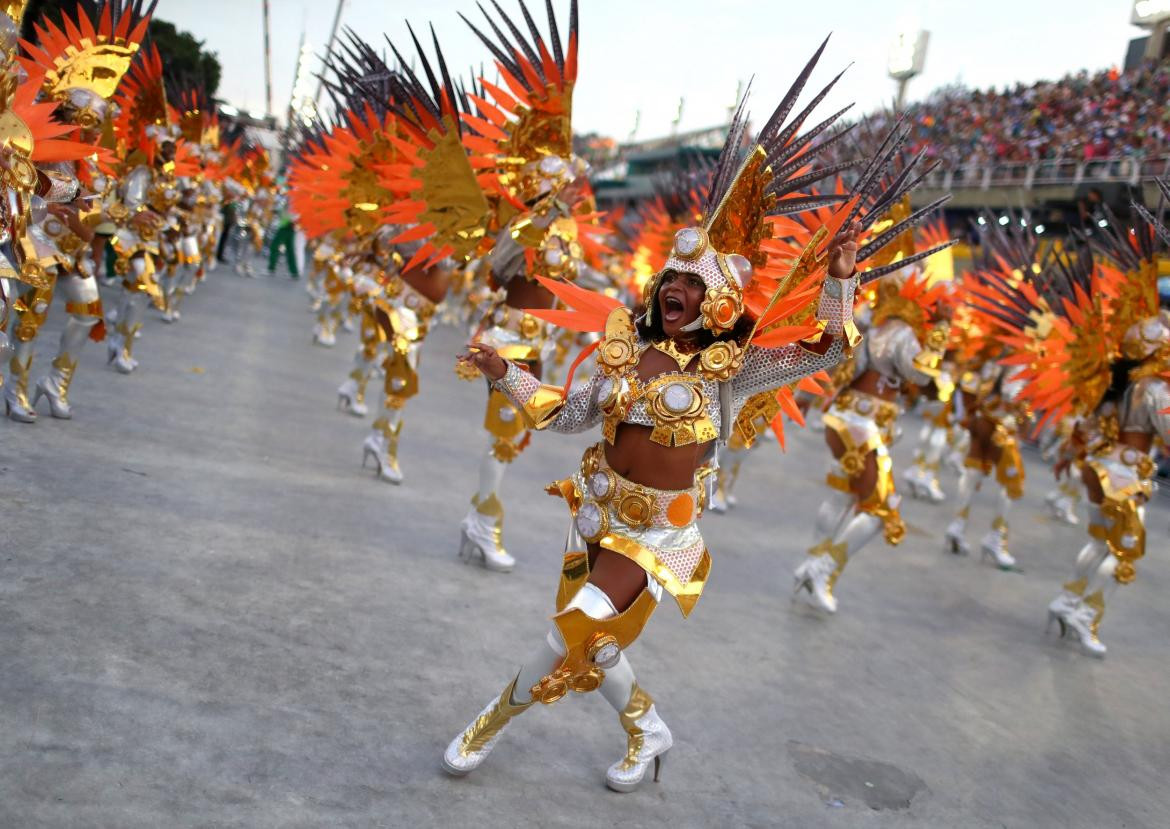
183 55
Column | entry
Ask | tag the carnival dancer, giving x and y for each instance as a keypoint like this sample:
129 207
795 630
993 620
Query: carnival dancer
80 63
525 207
1094 344
669 382
903 347
36 155
153 160
993 413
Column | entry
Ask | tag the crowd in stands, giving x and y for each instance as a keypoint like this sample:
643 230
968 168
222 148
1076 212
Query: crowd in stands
1081 117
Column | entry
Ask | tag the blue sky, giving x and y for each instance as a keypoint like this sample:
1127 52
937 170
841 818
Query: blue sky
642 55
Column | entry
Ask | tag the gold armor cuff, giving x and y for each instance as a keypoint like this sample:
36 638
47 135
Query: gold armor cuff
591 646
1009 470
543 406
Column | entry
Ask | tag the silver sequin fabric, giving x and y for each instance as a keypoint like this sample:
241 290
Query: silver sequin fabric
763 369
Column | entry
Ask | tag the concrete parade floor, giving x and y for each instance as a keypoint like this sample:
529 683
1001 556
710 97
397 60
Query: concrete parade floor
211 616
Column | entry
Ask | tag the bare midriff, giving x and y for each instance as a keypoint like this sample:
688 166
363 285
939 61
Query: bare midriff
432 283
1142 441
873 382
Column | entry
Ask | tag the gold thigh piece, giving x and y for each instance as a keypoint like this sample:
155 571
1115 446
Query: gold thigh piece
592 646
1009 469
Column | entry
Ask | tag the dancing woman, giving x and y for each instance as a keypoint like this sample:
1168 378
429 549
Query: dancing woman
720 322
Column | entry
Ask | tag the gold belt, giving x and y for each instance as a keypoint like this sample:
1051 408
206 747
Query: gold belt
882 411
635 505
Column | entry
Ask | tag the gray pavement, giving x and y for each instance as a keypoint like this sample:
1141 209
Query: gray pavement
211 616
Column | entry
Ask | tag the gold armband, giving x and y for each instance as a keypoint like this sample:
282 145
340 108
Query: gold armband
930 359
543 406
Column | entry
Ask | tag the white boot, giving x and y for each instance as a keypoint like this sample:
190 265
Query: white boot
923 483
933 492
815 576
120 347
953 540
994 546
1062 605
54 386
323 335
351 397
16 400
915 479
382 445
995 543
818 574
482 530
1081 621
482 538
647 741
1064 510
467 752
970 480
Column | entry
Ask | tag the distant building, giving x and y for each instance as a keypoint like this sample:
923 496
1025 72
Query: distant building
627 176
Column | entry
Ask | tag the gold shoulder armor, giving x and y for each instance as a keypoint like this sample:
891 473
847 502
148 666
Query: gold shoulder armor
619 349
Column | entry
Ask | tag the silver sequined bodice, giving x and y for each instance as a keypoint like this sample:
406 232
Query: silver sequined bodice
1142 408
763 369
890 349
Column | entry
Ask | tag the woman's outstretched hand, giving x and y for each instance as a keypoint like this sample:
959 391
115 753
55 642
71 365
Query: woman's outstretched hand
843 252
486 359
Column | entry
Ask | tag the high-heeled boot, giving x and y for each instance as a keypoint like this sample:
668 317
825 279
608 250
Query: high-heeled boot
16 402
647 737
325 332
382 445
1083 620
120 348
351 395
994 545
55 385
814 574
954 539
1082 617
1063 504
827 561
1088 559
482 529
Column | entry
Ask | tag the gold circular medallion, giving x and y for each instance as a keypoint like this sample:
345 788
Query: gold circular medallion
21 173
604 650
720 360
636 509
530 327
616 352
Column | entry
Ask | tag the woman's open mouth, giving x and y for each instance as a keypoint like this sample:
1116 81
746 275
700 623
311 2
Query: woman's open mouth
672 308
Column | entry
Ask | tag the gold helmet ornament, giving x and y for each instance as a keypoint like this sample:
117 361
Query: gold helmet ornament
84 62
724 274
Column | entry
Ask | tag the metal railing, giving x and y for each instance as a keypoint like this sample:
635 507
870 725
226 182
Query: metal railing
1066 172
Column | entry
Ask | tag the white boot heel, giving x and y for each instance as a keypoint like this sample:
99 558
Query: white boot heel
953 541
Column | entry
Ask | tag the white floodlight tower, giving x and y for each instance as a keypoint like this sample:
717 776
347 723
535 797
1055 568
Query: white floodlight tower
906 59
